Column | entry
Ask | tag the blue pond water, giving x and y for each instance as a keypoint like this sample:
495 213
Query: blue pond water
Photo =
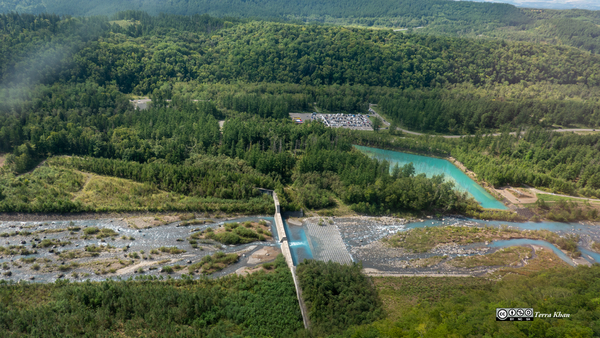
434 166
522 241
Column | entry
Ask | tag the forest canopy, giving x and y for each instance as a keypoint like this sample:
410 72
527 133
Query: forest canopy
72 97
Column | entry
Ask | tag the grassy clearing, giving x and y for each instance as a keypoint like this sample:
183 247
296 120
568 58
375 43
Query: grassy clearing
465 307
340 210
54 188
46 189
116 194
425 239
399 294
125 24
564 209
554 198
544 260
504 257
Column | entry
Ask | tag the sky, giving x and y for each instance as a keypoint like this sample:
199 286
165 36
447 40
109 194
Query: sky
556 4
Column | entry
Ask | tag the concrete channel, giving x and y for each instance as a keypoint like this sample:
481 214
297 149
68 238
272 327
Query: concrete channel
287 254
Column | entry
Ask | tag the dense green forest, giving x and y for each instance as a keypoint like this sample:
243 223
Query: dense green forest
258 305
379 12
342 303
199 70
337 296
577 28
144 57
431 307
340 69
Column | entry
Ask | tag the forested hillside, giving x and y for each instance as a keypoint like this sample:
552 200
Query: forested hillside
143 56
576 28
66 85
378 12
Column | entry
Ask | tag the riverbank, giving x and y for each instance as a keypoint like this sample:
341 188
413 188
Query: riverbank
43 217
99 249
488 187
109 248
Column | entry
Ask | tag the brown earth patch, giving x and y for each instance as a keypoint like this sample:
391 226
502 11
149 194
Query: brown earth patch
263 255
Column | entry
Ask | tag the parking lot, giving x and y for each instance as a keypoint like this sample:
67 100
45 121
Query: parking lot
350 121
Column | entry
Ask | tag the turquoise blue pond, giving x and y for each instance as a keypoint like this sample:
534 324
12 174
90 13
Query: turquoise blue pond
434 166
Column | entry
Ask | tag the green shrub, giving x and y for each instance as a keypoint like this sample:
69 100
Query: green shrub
231 226
172 250
91 231
227 238
244 232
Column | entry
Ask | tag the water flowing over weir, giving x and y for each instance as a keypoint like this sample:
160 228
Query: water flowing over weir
287 254
434 166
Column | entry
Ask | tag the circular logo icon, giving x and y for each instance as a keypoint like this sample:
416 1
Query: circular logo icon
502 314
529 312
520 312
512 312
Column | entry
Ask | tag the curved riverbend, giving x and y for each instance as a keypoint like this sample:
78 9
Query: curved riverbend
525 241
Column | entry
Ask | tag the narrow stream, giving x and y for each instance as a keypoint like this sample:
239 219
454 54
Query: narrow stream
523 241
363 233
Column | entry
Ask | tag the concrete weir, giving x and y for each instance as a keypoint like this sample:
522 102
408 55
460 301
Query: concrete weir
287 254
